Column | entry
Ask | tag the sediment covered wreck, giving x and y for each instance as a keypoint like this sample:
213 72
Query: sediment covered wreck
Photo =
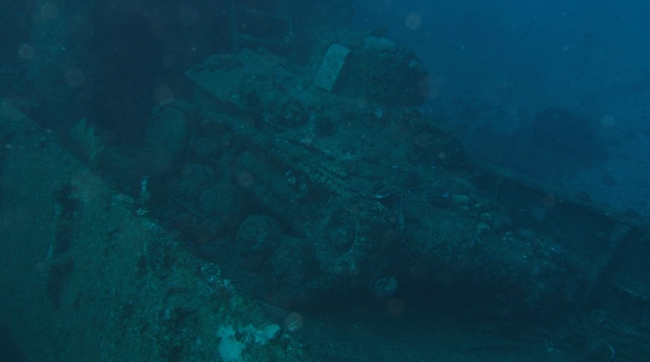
281 188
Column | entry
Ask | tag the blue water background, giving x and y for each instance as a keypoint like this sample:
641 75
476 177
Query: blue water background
588 57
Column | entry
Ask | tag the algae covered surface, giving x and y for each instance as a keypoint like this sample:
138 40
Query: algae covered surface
262 181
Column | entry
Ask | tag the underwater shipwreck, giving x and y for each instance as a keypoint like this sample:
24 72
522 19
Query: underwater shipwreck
282 196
